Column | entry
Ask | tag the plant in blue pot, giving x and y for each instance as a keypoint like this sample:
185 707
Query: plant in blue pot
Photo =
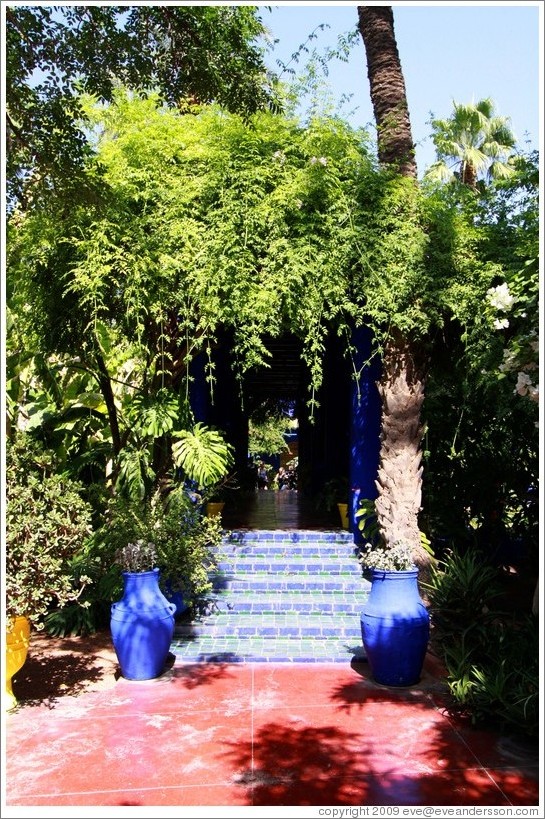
142 622
394 622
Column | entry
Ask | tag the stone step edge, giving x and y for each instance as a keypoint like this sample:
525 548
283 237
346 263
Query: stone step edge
302 658
284 574
293 535
228 607
322 631
226 619
326 642
287 583
297 595
277 556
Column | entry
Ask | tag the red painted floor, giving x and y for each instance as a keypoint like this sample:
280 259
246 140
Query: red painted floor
259 735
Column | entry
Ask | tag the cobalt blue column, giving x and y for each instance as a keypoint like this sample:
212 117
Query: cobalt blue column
365 426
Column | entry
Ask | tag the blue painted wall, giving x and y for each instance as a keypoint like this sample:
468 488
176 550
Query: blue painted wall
365 427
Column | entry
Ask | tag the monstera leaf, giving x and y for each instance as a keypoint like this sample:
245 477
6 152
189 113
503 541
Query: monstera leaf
203 454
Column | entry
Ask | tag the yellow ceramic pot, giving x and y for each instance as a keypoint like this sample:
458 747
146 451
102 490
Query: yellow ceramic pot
343 512
17 640
214 509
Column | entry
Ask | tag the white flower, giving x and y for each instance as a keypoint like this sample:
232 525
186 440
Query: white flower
501 324
523 382
314 159
299 203
280 156
509 361
533 393
393 559
500 297
322 160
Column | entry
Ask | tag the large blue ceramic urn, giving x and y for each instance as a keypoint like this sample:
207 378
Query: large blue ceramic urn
142 625
395 627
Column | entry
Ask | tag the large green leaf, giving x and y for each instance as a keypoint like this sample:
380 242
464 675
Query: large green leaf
203 454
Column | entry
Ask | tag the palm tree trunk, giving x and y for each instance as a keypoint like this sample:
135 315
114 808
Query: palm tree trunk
388 95
401 387
469 175
399 480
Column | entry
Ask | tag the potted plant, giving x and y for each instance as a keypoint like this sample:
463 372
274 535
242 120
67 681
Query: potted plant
142 622
188 544
47 524
394 622
185 543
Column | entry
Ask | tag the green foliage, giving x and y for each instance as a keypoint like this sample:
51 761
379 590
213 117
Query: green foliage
481 410
461 590
203 454
53 53
184 546
473 142
493 675
185 542
203 223
510 215
153 416
56 400
366 517
47 524
492 658
272 208
479 435
74 620
267 428
400 288
135 477
295 231
93 610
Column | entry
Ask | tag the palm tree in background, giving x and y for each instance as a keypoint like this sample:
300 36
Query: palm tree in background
401 387
473 142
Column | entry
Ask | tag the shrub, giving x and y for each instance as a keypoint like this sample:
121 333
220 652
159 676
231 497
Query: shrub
47 524
491 657
185 540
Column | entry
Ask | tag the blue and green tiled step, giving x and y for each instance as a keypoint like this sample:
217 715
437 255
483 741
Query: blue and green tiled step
280 596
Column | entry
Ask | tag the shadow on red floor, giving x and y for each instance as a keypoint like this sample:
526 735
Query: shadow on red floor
261 735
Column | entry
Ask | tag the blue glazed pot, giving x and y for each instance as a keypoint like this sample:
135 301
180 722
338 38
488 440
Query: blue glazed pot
395 628
177 598
179 603
142 625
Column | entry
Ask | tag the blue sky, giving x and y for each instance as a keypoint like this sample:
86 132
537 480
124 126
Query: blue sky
448 51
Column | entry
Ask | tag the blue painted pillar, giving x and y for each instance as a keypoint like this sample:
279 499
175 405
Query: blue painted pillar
364 427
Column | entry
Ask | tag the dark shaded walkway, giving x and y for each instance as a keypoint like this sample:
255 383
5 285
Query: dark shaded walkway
267 509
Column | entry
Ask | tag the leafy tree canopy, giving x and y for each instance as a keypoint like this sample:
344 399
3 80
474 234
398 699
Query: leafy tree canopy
186 53
203 220
195 222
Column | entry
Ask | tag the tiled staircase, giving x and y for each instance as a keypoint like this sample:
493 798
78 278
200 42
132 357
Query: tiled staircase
280 596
